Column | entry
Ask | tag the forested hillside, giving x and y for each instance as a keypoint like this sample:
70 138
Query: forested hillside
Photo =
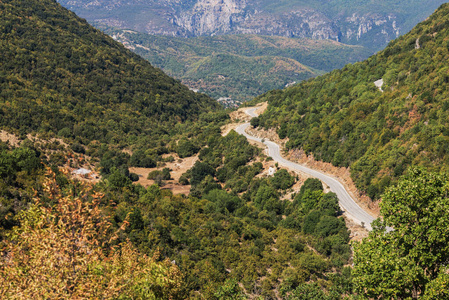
60 75
239 234
236 236
343 118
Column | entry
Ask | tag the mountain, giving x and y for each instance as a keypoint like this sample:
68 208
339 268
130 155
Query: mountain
378 116
59 75
240 67
368 23
240 234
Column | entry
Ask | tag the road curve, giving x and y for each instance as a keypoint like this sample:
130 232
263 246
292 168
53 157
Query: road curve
347 204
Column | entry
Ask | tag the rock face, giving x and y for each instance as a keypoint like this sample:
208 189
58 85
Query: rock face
367 24
296 23
381 28
209 17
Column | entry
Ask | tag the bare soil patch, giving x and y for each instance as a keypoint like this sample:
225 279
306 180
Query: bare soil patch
228 127
357 232
178 167
262 107
10 138
239 116
301 177
269 134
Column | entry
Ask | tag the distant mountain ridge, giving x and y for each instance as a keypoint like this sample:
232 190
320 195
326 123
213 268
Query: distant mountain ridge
367 23
238 66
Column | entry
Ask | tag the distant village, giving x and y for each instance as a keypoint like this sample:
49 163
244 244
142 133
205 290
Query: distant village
228 102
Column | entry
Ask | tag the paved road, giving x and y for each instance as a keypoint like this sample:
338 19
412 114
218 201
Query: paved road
347 204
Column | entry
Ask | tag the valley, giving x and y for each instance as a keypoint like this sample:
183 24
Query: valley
238 67
118 181
248 48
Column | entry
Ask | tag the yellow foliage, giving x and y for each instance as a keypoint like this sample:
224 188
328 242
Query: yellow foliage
66 252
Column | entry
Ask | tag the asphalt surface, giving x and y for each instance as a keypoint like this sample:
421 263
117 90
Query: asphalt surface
351 209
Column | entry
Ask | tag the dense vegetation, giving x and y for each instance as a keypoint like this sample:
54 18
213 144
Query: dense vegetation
20 171
239 233
233 236
221 244
411 261
343 118
69 251
60 76
238 66
233 229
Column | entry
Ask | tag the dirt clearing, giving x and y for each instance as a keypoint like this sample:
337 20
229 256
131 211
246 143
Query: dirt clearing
178 167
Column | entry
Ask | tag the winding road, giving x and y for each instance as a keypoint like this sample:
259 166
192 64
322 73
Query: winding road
351 209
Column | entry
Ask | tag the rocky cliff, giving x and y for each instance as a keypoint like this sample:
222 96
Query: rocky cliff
368 24
210 17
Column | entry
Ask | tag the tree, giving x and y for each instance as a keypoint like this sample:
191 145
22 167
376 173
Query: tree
69 251
118 180
229 290
312 291
186 148
405 262
200 171
282 180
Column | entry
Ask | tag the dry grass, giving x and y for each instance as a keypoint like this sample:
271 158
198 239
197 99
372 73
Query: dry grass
178 167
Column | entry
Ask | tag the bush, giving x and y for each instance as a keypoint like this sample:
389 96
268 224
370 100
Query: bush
183 179
329 225
310 221
200 171
186 148
282 180
163 174
140 159
134 177
255 122
78 148
65 132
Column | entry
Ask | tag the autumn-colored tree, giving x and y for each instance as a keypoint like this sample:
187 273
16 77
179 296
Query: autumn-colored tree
66 251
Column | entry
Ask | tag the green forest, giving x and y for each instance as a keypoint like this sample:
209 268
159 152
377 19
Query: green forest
60 77
72 95
232 237
342 118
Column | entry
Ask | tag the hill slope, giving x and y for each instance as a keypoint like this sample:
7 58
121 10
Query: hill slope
343 118
58 74
368 23
238 66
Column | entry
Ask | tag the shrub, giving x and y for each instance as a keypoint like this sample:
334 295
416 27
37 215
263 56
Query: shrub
78 148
